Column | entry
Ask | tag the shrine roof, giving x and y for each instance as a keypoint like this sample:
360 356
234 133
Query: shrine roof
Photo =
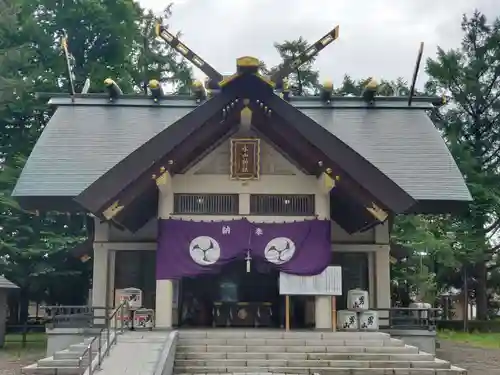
86 138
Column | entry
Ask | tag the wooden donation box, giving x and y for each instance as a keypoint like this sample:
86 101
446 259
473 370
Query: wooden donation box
229 311
242 314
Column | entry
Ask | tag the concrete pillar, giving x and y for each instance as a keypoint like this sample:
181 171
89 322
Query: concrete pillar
164 305
111 278
383 277
323 312
164 288
100 281
323 304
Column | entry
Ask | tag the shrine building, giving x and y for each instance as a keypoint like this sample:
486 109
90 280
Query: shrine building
207 197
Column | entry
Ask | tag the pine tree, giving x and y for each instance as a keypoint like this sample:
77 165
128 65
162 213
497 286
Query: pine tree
470 76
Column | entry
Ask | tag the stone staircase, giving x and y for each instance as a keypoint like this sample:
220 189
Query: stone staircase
266 351
67 362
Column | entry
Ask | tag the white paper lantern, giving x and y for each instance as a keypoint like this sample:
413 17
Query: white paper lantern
368 320
357 299
347 320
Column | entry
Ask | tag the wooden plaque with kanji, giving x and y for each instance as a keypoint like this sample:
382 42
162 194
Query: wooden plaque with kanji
245 159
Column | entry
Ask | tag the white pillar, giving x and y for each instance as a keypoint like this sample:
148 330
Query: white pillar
164 288
323 312
111 277
383 277
100 281
164 303
323 304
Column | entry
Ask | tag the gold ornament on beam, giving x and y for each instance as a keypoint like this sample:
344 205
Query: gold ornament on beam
112 210
377 212
163 179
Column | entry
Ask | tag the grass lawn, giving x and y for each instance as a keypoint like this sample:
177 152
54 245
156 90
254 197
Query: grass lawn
482 340
35 343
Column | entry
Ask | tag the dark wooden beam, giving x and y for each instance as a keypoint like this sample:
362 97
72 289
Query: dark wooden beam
352 165
349 201
307 153
103 192
184 154
350 214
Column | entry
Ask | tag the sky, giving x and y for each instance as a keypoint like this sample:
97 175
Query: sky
378 38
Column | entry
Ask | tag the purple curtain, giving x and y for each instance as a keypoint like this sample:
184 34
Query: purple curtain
299 248
189 248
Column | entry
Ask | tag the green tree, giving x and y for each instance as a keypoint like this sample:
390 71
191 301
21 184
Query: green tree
304 79
470 76
35 246
155 59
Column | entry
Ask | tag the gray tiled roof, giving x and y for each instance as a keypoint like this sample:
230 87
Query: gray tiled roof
80 143
404 144
6 284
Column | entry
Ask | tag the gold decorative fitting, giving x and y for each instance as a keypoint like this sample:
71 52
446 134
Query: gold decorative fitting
337 178
154 84
226 80
197 84
108 81
163 179
328 85
157 29
329 170
112 210
372 84
247 61
377 212
162 169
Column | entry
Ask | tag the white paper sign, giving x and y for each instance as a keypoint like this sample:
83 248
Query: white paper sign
327 283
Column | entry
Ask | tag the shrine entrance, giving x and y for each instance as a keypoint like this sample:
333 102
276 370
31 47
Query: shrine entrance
235 298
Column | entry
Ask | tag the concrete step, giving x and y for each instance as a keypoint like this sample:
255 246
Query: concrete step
52 362
279 334
319 371
80 348
288 342
305 356
35 370
68 354
296 349
269 363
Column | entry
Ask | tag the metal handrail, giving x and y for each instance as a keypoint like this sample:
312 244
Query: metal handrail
100 353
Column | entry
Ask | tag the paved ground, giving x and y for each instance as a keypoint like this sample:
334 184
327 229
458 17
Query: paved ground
478 361
132 345
11 363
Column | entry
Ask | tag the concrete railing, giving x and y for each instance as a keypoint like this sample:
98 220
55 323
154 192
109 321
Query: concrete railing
165 364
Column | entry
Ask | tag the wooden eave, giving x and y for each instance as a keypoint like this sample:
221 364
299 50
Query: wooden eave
131 188
348 201
144 161
347 161
139 199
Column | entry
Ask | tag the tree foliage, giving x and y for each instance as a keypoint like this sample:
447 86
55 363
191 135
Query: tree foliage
106 39
470 76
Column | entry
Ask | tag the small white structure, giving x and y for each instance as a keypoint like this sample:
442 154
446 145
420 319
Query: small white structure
357 300
368 320
347 320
